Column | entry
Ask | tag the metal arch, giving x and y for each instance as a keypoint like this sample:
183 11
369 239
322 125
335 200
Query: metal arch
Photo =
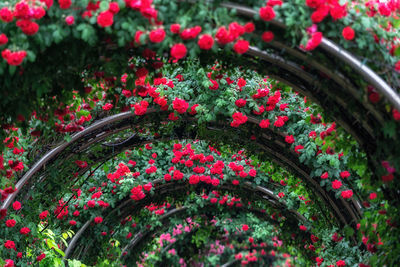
340 53
158 186
283 162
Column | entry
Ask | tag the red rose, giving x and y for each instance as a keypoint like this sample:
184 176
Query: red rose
325 175
338 11
105 19
396 114
107 106
336 184
314 41
348 33
175 28
303 228
40 257
206 42
240 103
178 51
249 27
64 4
267 13
28 27
347 194
113 7
314 3
98 220
180 105
43 215
3 39
264 123
70 20
16 205
24 231
245 227
9 263
344 174
297 148
9 244
10 223
241 46
214 85
340 263
6 15
267 36
319 14
157 35
289 139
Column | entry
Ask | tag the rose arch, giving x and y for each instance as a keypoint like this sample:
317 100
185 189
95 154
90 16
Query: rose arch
185 133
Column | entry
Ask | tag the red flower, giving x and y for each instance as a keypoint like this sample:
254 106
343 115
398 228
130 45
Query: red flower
318 15
157 35
397 66
348 33
175 28
10 223
336 184
64 4
297 148
98 220
281 194
16 205
206 42
6 15
3 39
303 228
387 178
147 187
238 119
40 257
396 114
280 121
13 58
249 27
194 179
372 196
81 164
240 103
347 194
9 263
245 227
43 215
70 20
267 13
264 123
9 244
267 36
178 51
173 117
177 175
180 105
314 3
214 85
28 27
344 174
113 7
24 231
241 46
289 139
338 11
314 41
105 19
107 106
167 177
141 108
325 175
193 109
340 263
